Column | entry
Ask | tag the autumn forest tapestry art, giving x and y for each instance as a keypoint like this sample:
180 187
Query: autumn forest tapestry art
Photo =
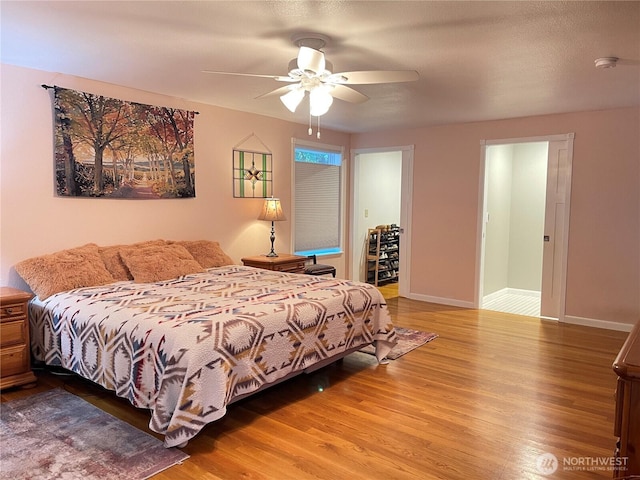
106 147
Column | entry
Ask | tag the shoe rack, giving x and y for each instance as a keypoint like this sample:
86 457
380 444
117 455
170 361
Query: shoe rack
383 255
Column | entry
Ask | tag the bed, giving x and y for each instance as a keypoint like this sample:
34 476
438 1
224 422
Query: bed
187 346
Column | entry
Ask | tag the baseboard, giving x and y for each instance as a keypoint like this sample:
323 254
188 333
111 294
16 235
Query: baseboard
513 291
590 322
587 322
442 301
528 293
493 295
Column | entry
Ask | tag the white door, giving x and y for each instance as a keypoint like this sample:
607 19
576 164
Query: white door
555 238
555 229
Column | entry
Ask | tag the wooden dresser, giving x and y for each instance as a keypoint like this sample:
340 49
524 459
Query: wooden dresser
284 262
627 419
15 353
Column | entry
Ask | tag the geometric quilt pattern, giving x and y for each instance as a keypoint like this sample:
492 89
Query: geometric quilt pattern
187 347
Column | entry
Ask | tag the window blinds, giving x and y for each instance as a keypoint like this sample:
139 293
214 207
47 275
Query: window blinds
317 200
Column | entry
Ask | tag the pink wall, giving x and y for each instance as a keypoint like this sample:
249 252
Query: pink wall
34 221
603 281
604 252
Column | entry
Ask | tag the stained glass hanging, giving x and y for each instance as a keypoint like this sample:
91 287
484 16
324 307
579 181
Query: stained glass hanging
252 171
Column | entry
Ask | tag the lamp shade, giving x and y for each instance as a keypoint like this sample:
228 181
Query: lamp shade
292 98
272 210
320 100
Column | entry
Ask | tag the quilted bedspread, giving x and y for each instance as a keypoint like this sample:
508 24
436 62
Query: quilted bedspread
188 347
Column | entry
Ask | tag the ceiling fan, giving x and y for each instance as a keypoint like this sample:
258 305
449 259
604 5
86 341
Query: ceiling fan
311 72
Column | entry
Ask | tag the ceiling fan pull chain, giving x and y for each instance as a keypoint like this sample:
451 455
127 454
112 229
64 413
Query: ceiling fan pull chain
318 132
310 131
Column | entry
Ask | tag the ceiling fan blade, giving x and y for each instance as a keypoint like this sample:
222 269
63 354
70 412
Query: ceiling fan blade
277 91
348 94
310 59
277 78
373 76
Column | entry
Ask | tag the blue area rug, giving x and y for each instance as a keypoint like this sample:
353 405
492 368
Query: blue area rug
57 435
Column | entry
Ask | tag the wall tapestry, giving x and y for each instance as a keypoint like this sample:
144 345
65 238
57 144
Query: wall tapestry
111 148
252 170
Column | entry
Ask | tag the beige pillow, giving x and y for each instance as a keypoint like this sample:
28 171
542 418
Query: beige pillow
113 262
154 263
207 253
64 270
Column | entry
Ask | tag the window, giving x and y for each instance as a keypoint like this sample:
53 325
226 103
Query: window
318 193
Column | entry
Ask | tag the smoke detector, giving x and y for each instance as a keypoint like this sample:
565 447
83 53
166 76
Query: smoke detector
606 62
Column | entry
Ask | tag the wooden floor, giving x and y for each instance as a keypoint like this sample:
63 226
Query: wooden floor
389 290
482 401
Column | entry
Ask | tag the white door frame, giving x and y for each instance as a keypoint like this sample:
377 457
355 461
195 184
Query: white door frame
406 199
562 237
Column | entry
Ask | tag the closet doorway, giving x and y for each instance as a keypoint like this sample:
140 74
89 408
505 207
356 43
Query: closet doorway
380 195
524 222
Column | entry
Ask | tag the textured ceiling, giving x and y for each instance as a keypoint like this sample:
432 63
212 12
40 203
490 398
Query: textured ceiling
477 60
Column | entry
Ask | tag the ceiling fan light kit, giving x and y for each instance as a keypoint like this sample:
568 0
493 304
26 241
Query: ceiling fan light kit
310 70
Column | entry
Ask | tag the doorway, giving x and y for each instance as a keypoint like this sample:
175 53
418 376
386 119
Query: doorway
515 179
524 221
381 192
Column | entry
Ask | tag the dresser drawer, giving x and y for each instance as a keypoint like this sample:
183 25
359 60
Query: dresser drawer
12 333
295 267
10 311
14 360
284 262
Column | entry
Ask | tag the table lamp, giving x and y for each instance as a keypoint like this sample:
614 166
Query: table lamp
272 211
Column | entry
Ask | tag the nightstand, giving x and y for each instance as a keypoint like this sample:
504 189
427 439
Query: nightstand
15 352
284 262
